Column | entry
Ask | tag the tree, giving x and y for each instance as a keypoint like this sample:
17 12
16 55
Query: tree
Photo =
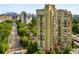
32 47
67 50
33 30
78 26
5 29
57 51
24 41
34 20
20 25
9 21
39 52
75 27
22 31
75 21
30 25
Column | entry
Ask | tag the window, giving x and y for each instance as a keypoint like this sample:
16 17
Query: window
64 30
41 44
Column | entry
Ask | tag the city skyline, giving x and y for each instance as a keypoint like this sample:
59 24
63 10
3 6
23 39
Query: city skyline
31 8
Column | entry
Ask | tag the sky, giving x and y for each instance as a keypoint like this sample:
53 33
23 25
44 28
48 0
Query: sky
31 8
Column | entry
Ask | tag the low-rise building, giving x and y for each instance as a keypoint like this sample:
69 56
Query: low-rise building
5 18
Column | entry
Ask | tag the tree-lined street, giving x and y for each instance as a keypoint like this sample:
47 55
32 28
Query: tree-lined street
14 41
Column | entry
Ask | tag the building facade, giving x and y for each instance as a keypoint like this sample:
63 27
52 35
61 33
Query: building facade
54 28
25 19
64 29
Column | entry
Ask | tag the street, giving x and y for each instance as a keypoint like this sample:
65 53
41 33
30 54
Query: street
76 51
14 42
76 41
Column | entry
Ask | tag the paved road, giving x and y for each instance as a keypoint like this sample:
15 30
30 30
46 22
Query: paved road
14 43
75 39
75 51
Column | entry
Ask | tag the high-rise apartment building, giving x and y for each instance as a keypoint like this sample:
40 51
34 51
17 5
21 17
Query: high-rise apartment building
25 18
64 29
54 28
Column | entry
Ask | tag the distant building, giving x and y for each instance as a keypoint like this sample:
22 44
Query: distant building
29 19
5 18
54 28
25 18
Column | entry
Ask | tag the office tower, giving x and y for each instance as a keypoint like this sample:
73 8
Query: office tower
54 28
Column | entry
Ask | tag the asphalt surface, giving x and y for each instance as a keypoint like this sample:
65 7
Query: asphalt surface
75 51
14 42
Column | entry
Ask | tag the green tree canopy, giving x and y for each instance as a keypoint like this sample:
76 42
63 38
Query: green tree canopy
24 41
32 47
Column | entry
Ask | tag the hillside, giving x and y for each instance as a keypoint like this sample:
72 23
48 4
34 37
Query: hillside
76 17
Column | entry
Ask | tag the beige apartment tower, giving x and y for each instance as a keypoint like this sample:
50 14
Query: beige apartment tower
64 29
54 28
